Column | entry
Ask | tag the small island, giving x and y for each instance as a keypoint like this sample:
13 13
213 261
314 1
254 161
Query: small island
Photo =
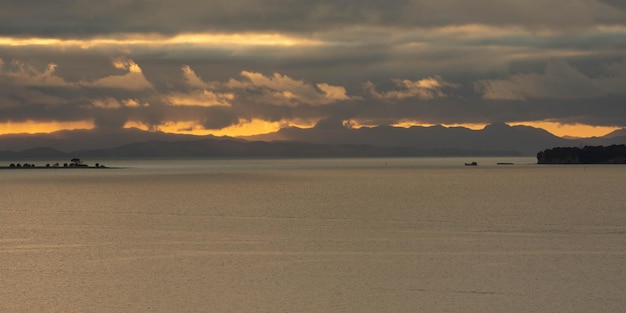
613 154
74 163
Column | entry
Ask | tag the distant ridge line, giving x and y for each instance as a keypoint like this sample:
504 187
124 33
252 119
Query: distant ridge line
223 148
324 140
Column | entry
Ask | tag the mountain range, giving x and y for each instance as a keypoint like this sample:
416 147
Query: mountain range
326 139
524 140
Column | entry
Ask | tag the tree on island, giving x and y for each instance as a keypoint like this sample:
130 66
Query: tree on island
614 154
76 162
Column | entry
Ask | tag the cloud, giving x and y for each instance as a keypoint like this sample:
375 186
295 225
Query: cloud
333 92
26 75
112 103
203 98
239 61
71 18
191 79
619 4
424 89
133 79
559 80
134 103
107 103
283 90
23 90
199 93
280 90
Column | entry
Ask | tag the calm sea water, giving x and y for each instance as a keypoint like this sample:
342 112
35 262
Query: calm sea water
330 235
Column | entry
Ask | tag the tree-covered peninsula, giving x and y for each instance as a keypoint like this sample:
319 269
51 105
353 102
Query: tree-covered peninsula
614 154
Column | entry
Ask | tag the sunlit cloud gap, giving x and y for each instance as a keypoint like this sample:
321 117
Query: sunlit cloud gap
406 36
243 39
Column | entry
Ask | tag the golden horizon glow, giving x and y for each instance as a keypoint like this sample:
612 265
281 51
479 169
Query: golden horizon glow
34 127
557 129
244 128
258 127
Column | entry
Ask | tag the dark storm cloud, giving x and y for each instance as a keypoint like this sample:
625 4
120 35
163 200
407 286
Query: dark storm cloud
373 62
86 18
618 4
558 91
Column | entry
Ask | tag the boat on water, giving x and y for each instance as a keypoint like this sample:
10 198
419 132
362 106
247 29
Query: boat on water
471 164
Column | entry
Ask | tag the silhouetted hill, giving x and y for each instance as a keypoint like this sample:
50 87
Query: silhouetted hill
328 138
236 148
69 140
617 133
241 149
233 148
610 139
527 140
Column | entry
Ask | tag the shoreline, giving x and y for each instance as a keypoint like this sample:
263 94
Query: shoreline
56 168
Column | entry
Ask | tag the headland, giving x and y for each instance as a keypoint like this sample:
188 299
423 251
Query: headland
613 154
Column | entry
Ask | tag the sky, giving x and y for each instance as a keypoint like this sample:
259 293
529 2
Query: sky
243 67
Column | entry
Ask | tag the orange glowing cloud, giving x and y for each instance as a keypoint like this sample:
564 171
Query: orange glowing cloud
243 128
